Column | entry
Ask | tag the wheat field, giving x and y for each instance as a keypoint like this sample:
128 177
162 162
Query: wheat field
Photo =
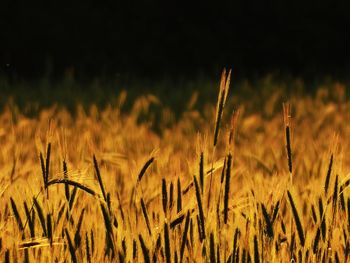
230 183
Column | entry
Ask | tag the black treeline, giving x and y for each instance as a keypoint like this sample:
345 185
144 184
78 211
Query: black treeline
155 38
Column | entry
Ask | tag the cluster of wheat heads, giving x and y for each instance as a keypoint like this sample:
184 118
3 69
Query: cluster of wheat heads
107 189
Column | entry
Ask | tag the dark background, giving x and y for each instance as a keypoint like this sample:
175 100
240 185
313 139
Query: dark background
170 38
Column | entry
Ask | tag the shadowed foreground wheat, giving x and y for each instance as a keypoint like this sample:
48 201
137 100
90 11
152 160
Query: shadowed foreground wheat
101 187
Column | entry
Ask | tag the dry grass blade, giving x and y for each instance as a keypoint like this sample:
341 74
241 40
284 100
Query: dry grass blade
212 249
184 236
275 211
179 196
92 239
219 107
224 87
109 203
218 253
223 171
200 208
297 220
335 196
77 236
87 248
49 228
73 183
346 183
99 178
313 214
7 256
134 249
60 213
269 227
176 259
191 232
348 211
337 260
201 171
292 247
199 228
171 195
145 250
158 247
235 250
144 169
30 219
287 116
29 244
167 244
256 250
17 216
342 198
47 164
227 83
145 215
322 218
120 207
209 172
110 248
71 247
177 221
244 255
289 150
164 196
72 196
41 215
42 163
237 256
124 246
316 240
66 186
329 172
233 128
227 186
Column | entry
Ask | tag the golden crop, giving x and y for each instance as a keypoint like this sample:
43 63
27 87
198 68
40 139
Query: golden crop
101 186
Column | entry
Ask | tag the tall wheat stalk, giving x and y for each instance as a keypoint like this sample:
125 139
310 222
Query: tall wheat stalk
223 92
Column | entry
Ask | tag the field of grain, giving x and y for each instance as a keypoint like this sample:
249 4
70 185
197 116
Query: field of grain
264 179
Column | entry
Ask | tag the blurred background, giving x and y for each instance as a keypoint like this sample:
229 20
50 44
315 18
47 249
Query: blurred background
140 43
